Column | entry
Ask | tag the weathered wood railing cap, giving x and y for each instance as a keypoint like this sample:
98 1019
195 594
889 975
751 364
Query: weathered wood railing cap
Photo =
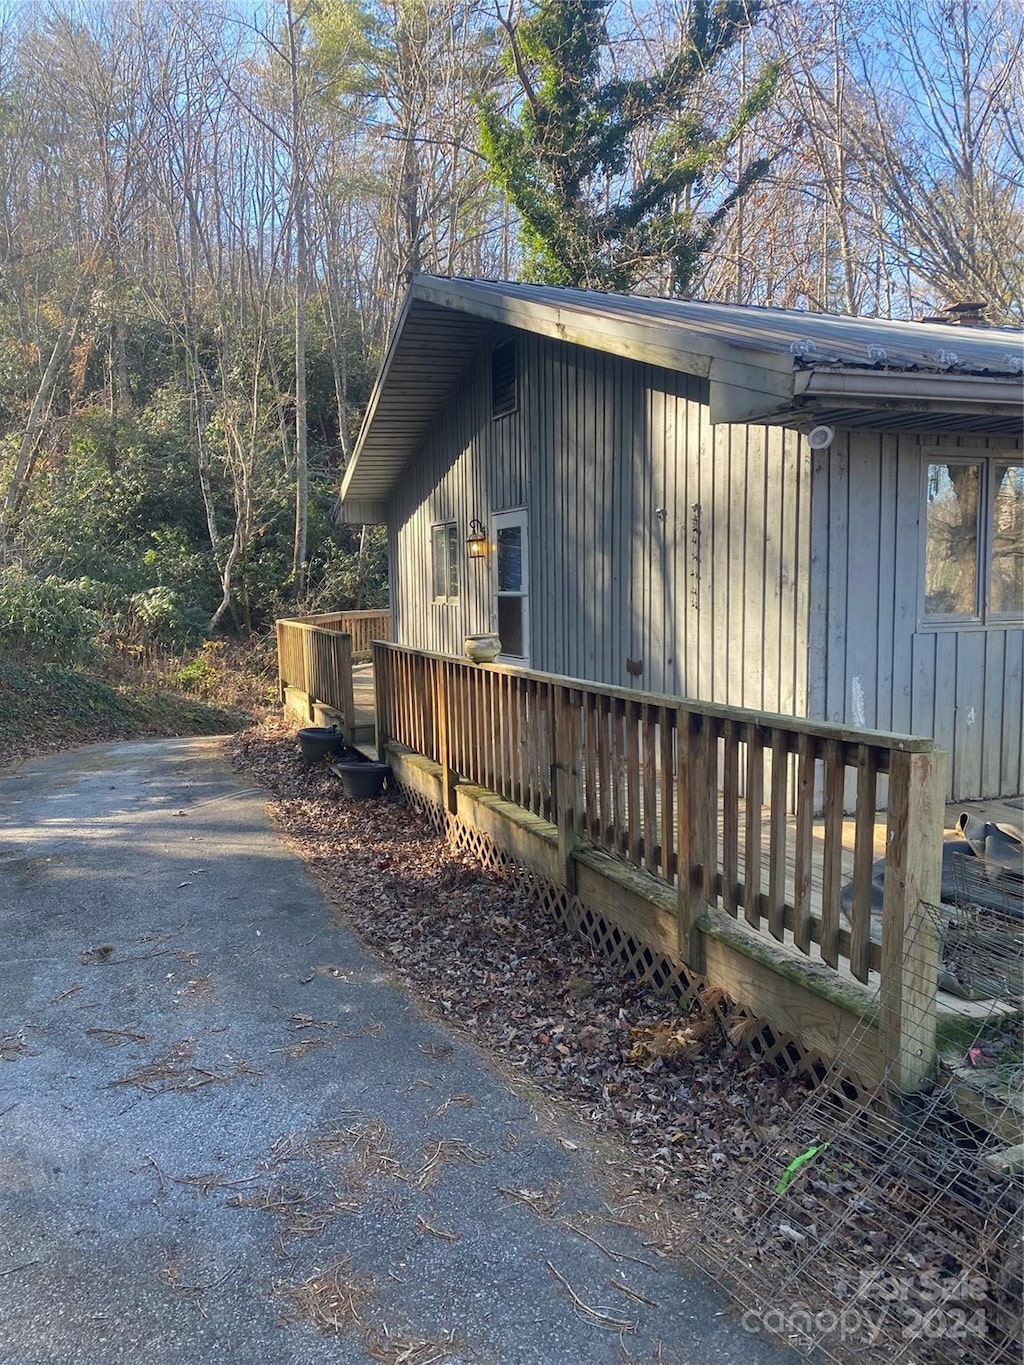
320 617
309 625
768 720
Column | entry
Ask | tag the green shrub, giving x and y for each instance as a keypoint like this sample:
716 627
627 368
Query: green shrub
202 675
48 617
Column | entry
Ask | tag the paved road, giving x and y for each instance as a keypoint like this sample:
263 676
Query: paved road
210 1095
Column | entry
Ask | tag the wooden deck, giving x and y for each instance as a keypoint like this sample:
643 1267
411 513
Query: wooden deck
1009 811
722 824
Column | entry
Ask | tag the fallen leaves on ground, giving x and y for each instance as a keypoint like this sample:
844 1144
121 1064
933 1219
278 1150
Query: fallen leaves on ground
690 1103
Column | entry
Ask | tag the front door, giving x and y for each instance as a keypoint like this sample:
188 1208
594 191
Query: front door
511 586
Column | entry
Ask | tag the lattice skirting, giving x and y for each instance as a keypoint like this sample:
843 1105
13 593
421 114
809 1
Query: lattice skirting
637 959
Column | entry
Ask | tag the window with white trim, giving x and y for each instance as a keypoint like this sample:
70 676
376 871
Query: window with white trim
974 541
444 561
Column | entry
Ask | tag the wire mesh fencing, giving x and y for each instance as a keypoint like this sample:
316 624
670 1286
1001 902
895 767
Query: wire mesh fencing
876 1225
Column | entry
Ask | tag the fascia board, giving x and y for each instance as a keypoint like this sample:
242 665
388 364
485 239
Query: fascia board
378 389
681 348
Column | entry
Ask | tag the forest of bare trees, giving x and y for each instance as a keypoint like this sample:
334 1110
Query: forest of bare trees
208 214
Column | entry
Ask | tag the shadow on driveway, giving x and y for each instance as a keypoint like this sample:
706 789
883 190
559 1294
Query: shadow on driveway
225 1133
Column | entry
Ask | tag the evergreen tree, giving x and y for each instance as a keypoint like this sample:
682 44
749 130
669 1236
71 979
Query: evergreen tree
620 183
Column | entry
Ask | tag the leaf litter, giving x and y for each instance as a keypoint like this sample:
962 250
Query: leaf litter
701 1117
177 1070
690 1103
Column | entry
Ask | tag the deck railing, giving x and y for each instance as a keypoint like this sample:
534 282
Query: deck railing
316 662
362 626
657 782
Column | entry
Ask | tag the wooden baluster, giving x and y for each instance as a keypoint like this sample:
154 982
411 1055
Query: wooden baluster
565 747
731 819
606 833
493 730
592 817
710 878
651 824
535 720
666 730
548 760
753 837
618 756
510 705
863 861
632 721
504 766
777 839
482 737
832 858
449 779
690 796
804 842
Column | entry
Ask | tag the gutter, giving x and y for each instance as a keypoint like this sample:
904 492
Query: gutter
902 390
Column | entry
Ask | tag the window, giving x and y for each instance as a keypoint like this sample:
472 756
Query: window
504 397
974 541
444 558
511 585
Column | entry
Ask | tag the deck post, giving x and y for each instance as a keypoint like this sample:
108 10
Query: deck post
381 699
910 938
279 633
307 671
346 690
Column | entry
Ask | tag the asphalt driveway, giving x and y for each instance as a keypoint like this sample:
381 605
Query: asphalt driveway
227 1136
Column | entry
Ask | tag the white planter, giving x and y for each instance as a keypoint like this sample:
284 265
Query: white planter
482 649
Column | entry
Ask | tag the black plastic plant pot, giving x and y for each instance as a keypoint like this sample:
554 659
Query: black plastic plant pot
318 741
362 781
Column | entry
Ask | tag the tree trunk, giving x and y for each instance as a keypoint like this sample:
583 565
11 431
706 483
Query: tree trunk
298 189
37 414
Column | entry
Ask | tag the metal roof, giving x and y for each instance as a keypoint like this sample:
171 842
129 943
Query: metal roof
776 365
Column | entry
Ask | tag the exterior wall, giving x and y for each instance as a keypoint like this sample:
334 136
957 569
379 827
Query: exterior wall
609 457
871 661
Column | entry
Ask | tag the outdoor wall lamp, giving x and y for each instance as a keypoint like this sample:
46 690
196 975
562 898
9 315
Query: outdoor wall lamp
476 542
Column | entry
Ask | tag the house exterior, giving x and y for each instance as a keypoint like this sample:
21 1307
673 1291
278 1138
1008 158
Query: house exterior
799 513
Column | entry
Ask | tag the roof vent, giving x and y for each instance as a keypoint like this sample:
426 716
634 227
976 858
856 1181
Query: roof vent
504 396
802 347
877 354
961 315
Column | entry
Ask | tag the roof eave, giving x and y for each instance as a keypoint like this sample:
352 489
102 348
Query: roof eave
352 471
681 348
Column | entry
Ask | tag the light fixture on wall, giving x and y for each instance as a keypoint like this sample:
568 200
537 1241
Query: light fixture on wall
476 541
820 438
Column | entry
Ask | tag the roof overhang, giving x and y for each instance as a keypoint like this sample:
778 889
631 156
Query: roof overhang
754 372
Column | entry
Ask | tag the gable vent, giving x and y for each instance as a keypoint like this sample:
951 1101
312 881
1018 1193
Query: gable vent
504 389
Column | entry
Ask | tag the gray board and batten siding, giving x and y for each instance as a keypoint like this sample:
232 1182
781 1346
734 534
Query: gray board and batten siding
726 560
874 659
609 458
